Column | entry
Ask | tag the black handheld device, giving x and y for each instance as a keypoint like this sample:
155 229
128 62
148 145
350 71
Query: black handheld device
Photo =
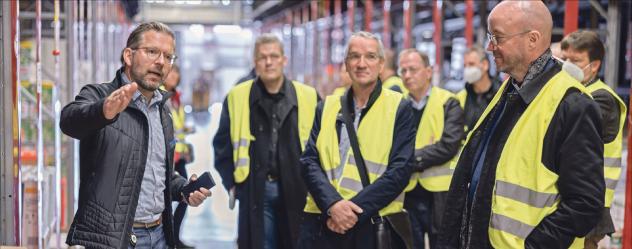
203 181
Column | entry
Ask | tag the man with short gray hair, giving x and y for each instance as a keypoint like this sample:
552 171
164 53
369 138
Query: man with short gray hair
345 207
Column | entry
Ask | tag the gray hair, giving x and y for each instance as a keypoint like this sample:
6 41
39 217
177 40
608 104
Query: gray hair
266 39
367 35
134 39
482 55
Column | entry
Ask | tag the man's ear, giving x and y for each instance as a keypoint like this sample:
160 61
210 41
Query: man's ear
127 56
596 65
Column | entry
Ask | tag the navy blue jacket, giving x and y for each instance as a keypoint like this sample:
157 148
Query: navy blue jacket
387 187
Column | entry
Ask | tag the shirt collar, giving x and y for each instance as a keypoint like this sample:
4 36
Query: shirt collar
422 102
259 91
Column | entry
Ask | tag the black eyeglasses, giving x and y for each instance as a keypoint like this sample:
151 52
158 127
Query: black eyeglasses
154 54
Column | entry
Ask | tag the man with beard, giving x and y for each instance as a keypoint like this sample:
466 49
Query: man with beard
127 145
264 126
530 174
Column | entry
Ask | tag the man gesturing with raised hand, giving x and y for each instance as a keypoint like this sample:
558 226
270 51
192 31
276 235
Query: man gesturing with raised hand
127 146
118 100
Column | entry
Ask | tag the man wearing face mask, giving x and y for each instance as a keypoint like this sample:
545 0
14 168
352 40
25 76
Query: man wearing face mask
583 53
480 87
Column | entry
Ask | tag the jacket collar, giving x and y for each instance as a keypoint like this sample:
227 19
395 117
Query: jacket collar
529 91
372 98
258 91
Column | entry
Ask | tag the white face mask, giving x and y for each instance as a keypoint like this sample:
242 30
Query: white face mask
574 70
472 74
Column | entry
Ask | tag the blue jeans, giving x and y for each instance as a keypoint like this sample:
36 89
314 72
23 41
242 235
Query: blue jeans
148 238
270 207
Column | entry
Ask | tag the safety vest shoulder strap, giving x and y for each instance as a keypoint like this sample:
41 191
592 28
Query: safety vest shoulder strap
462 97
307 98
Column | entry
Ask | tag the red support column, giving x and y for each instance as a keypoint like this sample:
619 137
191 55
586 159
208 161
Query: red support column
351 14
314 10
386 32
469 24
571 14
436 18
368 15
626 238
407 23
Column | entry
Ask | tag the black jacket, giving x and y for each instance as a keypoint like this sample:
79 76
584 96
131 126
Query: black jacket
112 162
609 109
448 146
475 103
251 192
373 197
572 149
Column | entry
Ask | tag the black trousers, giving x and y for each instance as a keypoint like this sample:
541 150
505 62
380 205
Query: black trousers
418 203
181 209
314 234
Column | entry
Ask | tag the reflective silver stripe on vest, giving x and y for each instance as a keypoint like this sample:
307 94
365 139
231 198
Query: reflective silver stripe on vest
525 195
611 184
336 172
351 184
509 225
612 162
400 197
371 167
240 143
242 162
436 171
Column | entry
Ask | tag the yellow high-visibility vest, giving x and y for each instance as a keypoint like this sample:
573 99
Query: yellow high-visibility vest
430 130
612 150
178 117
462 97
239 113
395 81
525 190
339 91
375 138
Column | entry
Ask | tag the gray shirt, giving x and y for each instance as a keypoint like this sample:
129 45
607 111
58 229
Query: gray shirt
151 201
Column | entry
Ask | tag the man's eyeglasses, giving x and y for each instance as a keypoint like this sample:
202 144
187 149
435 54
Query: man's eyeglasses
354 57
154 54
496 39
